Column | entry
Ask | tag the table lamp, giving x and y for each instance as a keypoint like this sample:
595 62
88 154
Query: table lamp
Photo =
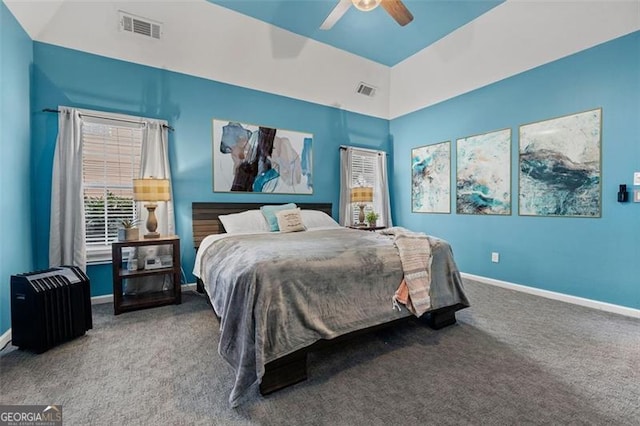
151 190
361 195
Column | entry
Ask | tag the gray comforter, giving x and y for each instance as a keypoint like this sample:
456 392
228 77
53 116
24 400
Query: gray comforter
279 292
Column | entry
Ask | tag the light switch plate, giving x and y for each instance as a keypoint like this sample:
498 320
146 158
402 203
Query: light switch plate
636 178
636 196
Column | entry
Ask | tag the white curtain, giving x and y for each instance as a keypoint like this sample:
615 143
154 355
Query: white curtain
381 197
67 229
375 176
154 162
345 212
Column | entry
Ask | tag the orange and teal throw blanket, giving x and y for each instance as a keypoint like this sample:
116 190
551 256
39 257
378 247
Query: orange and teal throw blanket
415 255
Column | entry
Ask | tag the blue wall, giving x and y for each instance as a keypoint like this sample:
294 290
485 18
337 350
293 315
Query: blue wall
16 51
591 258
68 77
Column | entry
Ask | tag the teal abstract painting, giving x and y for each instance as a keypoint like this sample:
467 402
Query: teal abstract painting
431 178
483 173
251 158
560 166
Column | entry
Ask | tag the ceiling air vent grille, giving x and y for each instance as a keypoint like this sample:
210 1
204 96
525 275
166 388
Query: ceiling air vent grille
366 89
137 25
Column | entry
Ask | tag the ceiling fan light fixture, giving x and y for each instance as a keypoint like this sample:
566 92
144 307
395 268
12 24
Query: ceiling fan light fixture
366 5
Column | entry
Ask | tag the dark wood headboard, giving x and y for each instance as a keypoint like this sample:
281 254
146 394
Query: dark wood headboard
205 215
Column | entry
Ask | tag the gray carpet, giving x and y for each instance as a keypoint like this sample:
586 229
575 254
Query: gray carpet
512 358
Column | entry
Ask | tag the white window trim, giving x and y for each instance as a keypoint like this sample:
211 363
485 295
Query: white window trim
102 254
370 180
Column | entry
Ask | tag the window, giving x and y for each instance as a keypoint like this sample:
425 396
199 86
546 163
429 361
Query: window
111 152
363 173
362 167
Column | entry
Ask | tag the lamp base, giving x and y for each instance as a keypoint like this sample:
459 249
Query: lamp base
152 222
361 215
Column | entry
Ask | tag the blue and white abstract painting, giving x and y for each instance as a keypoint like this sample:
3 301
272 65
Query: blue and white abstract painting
250 158
483 177
560 171
431 178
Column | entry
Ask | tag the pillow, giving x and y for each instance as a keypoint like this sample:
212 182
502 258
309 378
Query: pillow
246 222
318 219
290 220
269 213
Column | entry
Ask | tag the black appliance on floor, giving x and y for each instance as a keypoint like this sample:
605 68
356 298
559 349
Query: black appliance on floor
49 307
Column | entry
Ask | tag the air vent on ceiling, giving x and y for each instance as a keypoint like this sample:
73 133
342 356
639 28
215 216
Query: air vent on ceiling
138 25
366 89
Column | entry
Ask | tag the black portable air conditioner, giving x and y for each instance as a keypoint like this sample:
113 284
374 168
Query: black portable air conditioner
49 307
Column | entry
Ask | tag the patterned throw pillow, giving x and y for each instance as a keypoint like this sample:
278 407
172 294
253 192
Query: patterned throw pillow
290 220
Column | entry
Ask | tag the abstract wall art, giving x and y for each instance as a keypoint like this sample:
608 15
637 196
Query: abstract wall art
560 166
431 178
251 158
483 173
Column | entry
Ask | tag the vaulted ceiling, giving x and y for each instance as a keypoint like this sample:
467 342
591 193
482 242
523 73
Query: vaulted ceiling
450 48
373 35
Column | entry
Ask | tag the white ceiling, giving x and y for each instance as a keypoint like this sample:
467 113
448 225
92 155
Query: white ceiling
214 42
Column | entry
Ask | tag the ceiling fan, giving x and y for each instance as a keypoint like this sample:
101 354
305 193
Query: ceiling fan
395 8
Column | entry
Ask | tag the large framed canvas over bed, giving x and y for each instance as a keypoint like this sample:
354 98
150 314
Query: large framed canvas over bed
260 159
279 295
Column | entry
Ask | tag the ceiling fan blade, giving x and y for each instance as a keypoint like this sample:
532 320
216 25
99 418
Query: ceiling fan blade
335 15
398 11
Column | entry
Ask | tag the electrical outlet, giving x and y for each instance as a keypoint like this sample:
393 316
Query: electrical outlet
636 196
495 257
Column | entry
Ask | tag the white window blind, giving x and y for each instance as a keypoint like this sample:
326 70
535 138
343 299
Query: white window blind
363 167
111 160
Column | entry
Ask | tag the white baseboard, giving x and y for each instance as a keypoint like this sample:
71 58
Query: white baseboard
589 303
98 300
95 300
603 306
5 338
108 298
190 286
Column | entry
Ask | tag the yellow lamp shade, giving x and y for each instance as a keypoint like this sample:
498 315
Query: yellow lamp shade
151 189
362 194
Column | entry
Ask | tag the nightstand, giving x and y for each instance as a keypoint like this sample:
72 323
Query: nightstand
124 302
367 228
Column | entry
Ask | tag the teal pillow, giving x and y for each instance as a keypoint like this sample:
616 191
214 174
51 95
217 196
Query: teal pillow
269 213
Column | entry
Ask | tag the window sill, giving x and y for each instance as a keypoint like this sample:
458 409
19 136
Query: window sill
96 262
102 256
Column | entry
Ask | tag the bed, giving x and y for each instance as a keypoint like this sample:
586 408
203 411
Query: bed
280 295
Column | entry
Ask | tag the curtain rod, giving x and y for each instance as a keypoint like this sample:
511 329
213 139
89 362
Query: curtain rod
377 151
95 116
